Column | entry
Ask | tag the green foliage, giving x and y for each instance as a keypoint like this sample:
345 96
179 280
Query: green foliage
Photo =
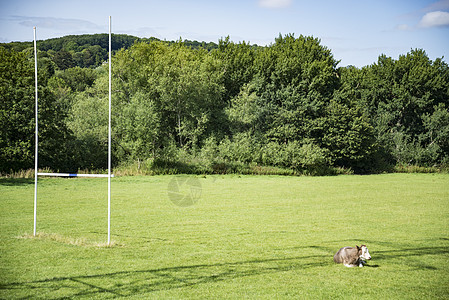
77 79
61 91
296 78
138 129
88 120
89 51
17 117
63 60
79 42
90 56
400 96
183 85
348 135
305 159
16 111
237 63
437 134
197 107
246 112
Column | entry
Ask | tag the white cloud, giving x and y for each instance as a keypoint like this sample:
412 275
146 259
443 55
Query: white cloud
56 23
275 3
144 32
404 27
435 19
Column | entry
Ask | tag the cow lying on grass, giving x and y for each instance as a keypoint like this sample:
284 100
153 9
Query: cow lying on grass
352 257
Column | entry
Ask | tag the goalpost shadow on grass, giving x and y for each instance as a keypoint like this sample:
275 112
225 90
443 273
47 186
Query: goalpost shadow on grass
138 282
129 283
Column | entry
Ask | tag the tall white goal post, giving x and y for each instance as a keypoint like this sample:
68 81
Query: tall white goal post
36 153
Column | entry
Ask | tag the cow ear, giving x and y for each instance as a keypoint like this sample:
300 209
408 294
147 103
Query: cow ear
358 248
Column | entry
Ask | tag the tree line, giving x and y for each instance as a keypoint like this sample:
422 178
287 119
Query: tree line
195 107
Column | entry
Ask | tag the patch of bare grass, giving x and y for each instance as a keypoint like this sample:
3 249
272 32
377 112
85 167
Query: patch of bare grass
80 242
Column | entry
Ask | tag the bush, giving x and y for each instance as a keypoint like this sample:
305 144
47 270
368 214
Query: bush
305 159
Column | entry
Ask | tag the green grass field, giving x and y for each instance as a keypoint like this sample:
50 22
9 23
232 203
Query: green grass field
260 237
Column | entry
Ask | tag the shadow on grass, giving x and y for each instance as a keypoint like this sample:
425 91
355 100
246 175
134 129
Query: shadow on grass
138 282
371 266
411 253
403 251
16 181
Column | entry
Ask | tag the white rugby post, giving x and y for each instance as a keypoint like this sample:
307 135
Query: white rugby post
109 137
36 135
109 175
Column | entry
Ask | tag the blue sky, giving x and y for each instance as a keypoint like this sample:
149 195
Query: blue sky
356 31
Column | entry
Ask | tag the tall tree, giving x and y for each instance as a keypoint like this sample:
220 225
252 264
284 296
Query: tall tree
16 111
17 118
399 94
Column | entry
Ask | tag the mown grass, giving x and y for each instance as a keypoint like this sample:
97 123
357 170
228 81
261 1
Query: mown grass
259 237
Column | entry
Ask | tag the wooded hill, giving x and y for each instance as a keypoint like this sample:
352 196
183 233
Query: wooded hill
214 108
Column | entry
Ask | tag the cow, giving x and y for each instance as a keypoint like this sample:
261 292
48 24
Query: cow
352 257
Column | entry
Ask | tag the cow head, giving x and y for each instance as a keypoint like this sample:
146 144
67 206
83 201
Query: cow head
363 252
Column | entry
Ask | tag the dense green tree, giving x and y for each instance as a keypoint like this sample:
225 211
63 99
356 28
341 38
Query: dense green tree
88 120
225 106
17 120
91 56
63 60
16 111
188 84
349 136
435 140
398 95
298 78
78 79
246 111
237 63
138 129
184 85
